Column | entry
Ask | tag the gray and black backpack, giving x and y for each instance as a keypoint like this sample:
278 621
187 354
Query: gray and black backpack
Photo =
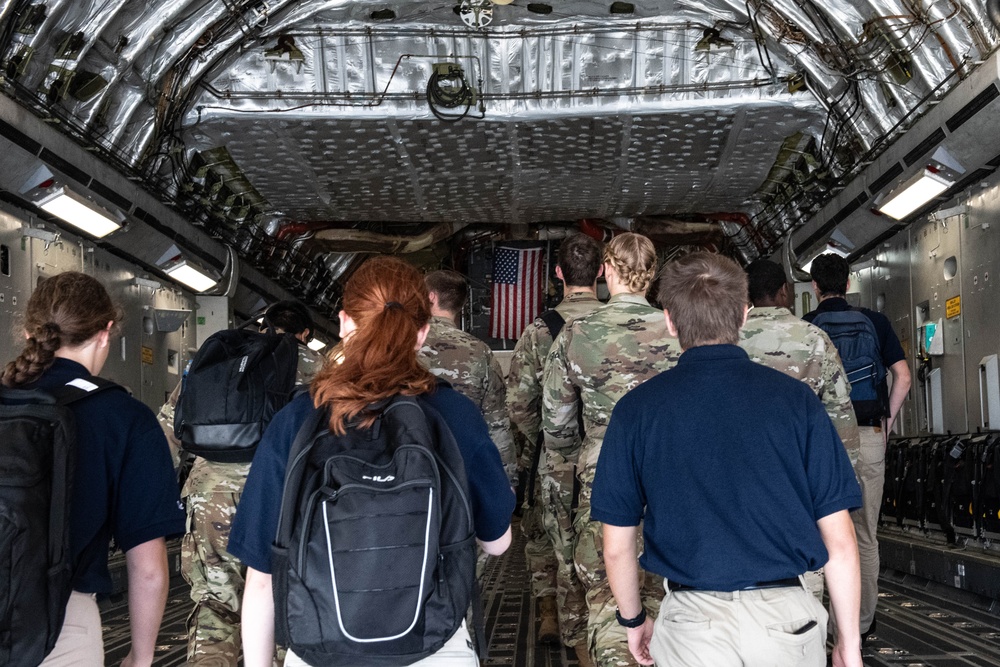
374 559
237 381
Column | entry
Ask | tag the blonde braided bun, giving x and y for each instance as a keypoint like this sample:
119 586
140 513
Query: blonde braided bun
633 258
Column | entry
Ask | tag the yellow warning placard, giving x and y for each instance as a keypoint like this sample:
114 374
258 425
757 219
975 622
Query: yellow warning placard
147 355
953 307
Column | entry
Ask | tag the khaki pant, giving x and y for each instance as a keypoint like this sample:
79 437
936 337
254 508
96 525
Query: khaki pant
80 642
743 628
871 476
457 652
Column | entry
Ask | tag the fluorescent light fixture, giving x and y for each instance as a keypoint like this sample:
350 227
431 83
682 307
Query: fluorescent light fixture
315 345
79 212
191 276
914 194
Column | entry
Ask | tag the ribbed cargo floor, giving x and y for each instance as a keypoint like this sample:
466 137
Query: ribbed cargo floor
919 624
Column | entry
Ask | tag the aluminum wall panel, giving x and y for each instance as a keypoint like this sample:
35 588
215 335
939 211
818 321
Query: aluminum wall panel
15 285
890 286
980 270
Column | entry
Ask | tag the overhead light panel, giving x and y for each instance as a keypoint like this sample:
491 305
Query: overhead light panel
315 345
914 194
79 212
192 276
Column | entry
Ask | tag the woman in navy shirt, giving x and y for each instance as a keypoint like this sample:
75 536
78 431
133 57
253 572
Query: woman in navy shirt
383 324
124 485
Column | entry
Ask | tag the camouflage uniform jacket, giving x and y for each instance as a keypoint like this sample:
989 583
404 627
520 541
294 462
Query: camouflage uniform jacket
468 364
603 356
212 477
524 381
776 338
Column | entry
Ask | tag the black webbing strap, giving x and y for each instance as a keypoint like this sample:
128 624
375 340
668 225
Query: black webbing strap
297 459
65 395
554 321
479 624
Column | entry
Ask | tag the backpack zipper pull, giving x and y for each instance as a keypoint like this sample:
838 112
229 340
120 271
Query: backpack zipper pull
440 568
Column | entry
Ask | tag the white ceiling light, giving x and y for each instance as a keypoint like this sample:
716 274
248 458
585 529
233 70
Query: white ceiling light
188 274
914 194
316 345
79 212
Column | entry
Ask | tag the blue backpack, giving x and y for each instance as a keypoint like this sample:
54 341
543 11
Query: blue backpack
856 340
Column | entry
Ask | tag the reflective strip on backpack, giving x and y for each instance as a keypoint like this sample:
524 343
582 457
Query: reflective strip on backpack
423 578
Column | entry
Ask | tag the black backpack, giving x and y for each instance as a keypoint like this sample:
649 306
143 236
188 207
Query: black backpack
37 460
374 560
236 382
856 340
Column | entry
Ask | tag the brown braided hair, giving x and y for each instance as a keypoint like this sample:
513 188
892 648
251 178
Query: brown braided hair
387 299
65 310
633 257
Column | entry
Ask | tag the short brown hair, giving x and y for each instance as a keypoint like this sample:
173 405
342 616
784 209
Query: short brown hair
450 287
705 295
579 258
633 257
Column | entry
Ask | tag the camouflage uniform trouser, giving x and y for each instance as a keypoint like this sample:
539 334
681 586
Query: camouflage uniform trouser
607 639
216 578
570 601
538 552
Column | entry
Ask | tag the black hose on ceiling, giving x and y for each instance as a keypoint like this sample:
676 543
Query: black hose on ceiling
993 9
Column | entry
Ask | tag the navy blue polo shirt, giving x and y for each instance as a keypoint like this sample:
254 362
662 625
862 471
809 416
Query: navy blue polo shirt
256 522
888 341
124 484
729 464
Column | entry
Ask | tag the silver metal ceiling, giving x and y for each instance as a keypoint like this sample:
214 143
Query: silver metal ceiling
676 108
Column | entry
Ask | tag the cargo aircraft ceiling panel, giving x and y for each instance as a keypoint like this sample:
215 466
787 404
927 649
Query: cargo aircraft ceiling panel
549 169
764 108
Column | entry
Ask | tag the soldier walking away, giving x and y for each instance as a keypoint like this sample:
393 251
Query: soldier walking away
466 362
212 492
869 348
773 336
578 265
742 485
596 360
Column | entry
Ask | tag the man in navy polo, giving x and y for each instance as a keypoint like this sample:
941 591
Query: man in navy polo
831 278
742 484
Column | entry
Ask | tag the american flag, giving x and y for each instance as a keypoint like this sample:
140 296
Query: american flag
517 290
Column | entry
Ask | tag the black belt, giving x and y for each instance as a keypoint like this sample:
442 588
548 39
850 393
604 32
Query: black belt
674 586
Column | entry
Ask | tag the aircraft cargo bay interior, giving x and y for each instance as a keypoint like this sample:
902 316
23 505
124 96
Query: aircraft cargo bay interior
206 159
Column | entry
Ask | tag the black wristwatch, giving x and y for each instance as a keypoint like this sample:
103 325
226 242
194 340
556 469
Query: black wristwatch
631 622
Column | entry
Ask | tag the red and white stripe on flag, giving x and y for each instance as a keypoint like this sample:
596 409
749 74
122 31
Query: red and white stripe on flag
517 290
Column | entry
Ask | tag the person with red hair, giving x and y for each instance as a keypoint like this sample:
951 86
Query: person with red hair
383 323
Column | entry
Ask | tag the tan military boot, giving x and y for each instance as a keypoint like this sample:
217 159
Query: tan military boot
548 631
583 655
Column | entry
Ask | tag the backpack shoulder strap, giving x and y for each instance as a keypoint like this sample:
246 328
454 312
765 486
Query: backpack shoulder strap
297 458
80 388
554 321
